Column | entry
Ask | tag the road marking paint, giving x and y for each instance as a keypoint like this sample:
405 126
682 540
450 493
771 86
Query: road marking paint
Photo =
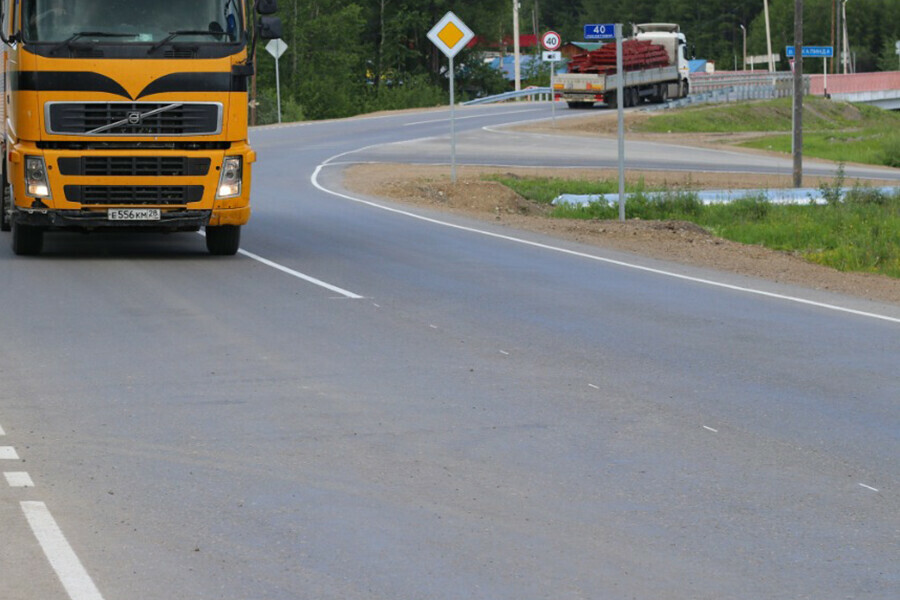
8 453
504 352
302 276
1 430
432 326
296 274
596 387
710 429
482 116
868 487
619 263
18 479
76 581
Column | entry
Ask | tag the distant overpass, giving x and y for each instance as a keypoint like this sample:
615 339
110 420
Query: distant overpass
878 89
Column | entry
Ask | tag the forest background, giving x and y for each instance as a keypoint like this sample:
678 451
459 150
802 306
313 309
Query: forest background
346 58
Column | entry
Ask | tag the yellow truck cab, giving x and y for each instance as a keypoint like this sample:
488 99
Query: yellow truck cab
128 114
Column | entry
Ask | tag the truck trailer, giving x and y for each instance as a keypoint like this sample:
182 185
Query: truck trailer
128 115
667 78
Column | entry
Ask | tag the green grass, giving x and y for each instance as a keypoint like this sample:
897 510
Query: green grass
831 130
859 234
868 146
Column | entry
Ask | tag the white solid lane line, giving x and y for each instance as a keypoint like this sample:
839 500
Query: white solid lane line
76 581
297 274
300 275
709 282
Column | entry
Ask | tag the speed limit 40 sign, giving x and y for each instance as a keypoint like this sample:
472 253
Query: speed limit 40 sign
551 41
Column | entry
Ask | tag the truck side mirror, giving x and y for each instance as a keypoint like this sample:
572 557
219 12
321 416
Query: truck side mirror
269 28
266 7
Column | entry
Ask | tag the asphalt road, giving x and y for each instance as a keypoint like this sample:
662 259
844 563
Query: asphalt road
376 403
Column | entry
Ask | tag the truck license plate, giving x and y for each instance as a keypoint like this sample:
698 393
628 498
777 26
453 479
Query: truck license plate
133 214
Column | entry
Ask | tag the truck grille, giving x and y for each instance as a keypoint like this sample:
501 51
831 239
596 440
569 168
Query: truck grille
134 194
134 118
134 166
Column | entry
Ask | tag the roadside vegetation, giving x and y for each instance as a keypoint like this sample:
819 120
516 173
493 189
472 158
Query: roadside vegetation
854 231
346 57
836 131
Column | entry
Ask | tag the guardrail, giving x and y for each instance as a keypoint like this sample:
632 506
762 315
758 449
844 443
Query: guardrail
736 87
538 93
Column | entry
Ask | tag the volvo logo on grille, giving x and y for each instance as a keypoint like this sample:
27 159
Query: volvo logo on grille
134 118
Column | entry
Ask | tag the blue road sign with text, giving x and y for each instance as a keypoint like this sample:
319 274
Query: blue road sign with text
812 51
601 31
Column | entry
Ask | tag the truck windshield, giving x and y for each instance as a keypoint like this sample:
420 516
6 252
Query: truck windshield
132 21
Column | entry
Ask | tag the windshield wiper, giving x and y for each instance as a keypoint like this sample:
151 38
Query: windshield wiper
68 41
174 34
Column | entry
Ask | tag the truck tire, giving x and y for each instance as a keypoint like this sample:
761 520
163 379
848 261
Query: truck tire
612 100
223 240
663 95
27 240
634 96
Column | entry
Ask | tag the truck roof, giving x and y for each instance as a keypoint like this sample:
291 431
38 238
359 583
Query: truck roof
657 27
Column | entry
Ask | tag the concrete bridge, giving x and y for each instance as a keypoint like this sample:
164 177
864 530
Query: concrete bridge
879 89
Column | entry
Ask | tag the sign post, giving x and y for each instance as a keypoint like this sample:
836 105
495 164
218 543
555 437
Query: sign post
605 31
823 52
551 41
451 35
897 47
276 48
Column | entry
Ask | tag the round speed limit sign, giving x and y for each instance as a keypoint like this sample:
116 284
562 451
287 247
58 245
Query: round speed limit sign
551 41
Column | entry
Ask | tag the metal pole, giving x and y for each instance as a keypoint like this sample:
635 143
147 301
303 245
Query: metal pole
278 88
452 124
516 61
552 93
620 101
744 31
798 93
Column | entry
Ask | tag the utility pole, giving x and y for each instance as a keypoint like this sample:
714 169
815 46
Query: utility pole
798 93
846 48
769 38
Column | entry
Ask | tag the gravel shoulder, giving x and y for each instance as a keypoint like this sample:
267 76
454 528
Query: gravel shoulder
683 242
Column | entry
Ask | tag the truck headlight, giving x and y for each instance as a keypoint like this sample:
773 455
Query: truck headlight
230 180
36 183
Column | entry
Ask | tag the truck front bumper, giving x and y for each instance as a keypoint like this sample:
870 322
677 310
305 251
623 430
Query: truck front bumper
81 220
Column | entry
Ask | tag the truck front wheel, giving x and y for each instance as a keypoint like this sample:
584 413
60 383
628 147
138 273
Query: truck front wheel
223 240
27 240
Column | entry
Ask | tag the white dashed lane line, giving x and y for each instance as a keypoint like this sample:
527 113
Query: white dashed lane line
18 479
8 453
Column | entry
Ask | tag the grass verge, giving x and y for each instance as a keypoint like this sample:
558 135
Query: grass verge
836 131
860 233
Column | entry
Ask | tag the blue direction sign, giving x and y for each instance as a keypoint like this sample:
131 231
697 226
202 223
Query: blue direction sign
812 51
602 31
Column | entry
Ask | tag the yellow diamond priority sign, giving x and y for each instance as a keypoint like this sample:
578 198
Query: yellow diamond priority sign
450 35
